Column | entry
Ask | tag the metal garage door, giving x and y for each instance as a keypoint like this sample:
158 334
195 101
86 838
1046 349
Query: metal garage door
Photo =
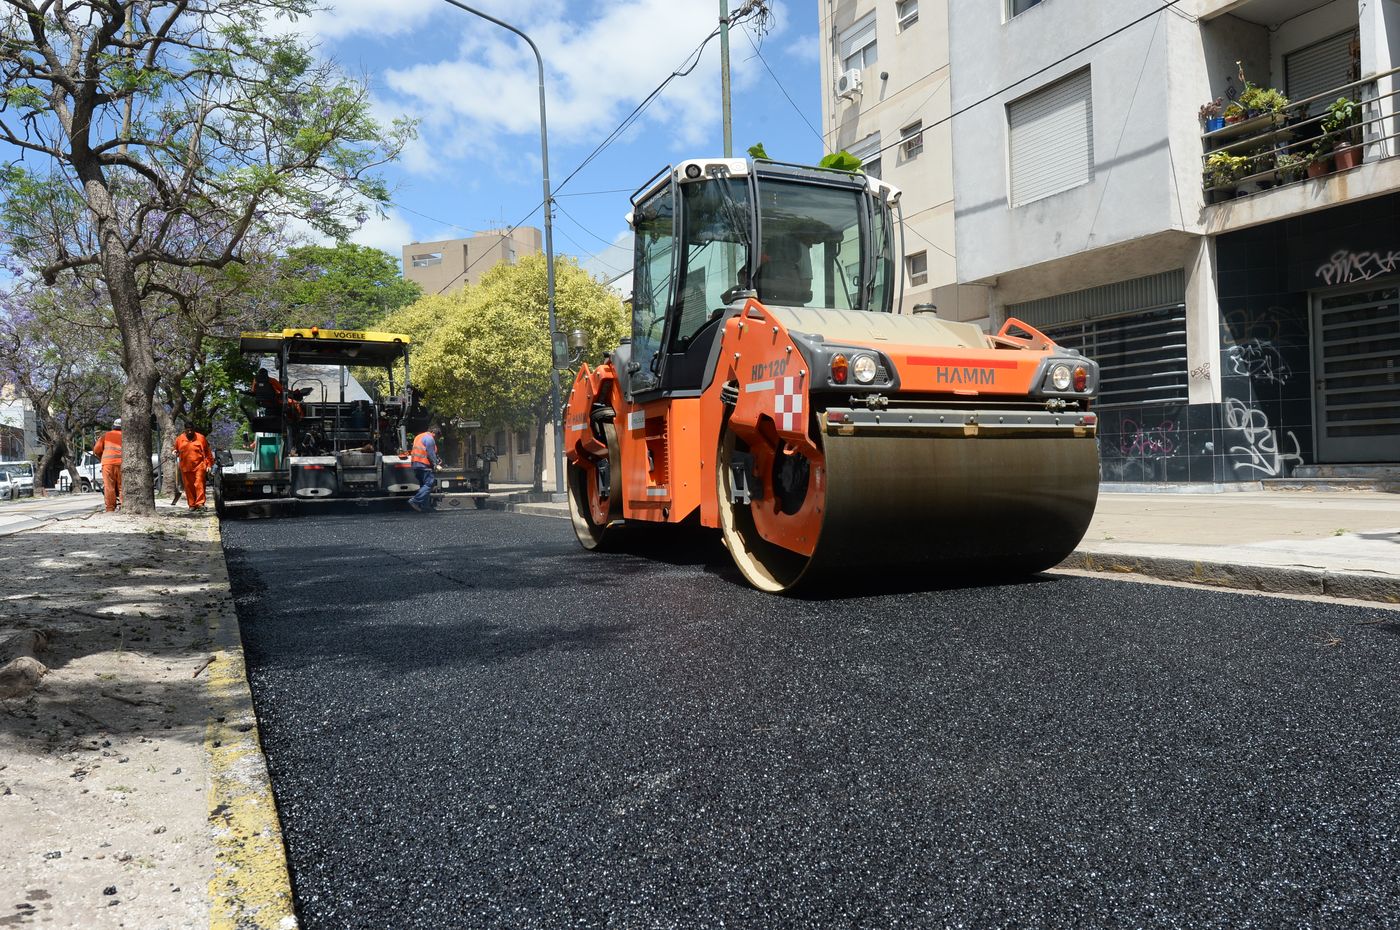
1356 346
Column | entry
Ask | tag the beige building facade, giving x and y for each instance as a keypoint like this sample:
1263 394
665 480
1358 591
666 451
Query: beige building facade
886 97
450 264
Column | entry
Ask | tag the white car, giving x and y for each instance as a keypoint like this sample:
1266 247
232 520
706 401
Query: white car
90 474
8 488
21 475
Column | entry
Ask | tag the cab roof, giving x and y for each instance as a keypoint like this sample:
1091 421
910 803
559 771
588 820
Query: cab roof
315 346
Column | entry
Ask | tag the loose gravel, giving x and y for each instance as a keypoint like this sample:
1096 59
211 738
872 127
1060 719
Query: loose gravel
473 723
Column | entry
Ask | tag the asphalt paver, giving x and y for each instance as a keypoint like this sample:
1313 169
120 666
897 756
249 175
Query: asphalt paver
471 722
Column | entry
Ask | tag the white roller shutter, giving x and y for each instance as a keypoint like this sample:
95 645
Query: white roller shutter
1051 136
1319 68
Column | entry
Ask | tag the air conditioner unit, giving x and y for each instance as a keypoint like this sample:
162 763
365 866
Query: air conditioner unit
848 84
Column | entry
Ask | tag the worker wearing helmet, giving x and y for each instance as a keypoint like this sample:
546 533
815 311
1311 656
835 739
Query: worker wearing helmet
109 450
425 459
195 457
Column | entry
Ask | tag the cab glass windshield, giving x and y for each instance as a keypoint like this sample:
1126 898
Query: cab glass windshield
812 253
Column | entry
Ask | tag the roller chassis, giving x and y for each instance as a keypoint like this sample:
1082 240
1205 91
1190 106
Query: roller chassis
769 391
749 455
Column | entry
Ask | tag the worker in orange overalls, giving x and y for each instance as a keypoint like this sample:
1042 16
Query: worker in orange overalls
109 450
195 457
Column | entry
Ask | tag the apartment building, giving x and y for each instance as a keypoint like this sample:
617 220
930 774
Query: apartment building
885 74
1237 279
439 267
19 437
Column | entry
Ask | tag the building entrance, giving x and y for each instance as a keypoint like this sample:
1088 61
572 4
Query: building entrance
1356 374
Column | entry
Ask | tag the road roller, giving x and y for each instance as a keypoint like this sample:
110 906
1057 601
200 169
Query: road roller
771 390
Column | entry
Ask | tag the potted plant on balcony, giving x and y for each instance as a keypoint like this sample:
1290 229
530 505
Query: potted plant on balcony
1259 101
1233 113
1223 173
1212 114
1291 166
1340 124
1320 159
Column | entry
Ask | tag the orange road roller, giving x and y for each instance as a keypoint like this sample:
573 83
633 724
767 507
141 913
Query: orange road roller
769 386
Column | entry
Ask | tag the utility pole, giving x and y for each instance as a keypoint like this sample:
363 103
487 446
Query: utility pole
556 406
724 76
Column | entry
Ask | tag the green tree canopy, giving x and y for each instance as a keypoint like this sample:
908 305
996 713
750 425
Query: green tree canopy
483 353
344 286
156 135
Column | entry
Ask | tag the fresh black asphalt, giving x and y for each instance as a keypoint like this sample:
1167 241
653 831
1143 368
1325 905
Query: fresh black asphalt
471 722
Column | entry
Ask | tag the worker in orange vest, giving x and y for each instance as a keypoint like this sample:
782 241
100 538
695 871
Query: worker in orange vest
109 450
195 457
425 459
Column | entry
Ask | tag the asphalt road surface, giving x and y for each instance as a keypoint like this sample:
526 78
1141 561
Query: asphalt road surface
473 723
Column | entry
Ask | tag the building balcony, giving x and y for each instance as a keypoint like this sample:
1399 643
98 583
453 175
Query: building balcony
1313 153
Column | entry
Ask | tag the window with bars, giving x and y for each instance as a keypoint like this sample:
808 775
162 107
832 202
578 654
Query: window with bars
1141 356
912 139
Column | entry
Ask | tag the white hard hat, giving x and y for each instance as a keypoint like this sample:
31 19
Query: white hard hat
117 423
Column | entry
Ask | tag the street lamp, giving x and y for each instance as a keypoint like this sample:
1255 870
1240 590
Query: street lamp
555 395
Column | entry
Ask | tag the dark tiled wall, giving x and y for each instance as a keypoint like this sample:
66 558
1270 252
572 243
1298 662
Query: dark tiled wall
1265 358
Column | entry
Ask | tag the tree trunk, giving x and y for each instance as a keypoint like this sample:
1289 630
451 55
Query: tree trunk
138 355
169 465
56 452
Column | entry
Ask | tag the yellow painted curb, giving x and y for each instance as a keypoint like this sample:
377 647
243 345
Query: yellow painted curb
251 888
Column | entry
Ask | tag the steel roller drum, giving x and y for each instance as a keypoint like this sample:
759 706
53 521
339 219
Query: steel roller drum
947 506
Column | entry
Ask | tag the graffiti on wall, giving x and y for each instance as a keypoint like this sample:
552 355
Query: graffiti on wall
1260 360
1261 442
1157 441
1201 372
1249 324
1347 267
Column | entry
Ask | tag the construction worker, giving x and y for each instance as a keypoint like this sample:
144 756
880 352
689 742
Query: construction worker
195 457
109 451
425 459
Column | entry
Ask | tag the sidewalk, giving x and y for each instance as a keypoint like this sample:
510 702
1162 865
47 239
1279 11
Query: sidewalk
133 792
1343 544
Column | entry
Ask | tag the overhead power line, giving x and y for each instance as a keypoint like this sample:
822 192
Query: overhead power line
1034 74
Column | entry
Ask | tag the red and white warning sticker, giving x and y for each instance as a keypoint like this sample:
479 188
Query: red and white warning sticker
787 404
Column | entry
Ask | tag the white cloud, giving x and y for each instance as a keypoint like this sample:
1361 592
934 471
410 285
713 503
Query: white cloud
390 233
342 18
609 260
484 101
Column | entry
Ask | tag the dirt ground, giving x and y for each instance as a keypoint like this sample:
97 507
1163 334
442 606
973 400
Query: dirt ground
104 810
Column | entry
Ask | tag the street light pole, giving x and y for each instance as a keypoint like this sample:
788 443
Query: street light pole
555 394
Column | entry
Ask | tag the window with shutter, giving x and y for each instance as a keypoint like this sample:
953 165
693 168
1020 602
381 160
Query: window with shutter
868 151
1050 134
858 44
1319 68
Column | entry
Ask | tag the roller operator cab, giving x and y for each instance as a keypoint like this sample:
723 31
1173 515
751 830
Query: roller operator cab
769 387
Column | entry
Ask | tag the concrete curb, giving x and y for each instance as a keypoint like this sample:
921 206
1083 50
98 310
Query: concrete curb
251 887
536 510
1267 579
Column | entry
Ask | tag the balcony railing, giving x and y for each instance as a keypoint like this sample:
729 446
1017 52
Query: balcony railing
1294 144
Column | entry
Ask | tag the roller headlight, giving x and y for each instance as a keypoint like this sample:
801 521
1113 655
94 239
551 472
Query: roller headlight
1060 377
864 368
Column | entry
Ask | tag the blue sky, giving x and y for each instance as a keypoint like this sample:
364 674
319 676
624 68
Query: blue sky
473 87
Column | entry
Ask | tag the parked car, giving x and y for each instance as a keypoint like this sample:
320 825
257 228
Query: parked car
90 474
21 475
8 488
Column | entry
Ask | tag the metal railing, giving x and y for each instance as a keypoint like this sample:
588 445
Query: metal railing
1262 138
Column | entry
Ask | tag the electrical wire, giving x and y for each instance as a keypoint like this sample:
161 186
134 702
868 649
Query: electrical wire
1056 63
795 107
